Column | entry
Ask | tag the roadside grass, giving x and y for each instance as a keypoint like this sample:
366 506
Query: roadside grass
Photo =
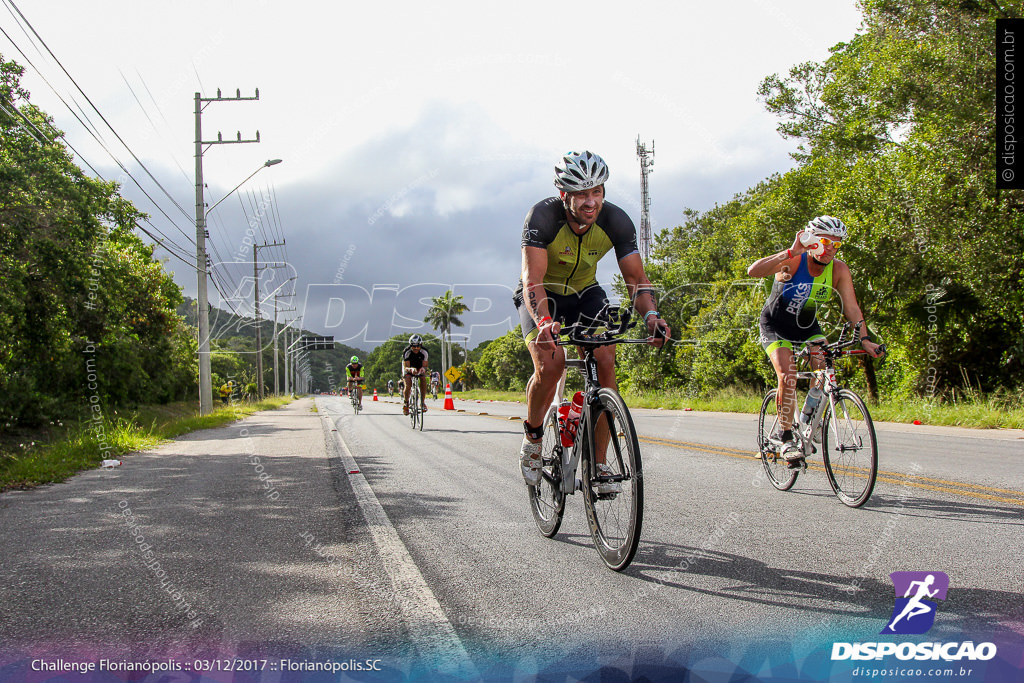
969 409
54 455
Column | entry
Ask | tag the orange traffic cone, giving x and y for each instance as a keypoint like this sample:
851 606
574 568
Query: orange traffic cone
449 404
374 394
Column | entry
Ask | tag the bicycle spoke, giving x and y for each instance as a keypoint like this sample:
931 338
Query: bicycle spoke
615 518
850 450
775 466
546 498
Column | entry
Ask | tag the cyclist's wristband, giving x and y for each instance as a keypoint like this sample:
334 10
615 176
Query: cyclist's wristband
648 314
865 338
789 253
547 318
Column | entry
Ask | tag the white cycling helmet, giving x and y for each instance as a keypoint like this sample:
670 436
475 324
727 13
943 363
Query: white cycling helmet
415 340
828 226
580 171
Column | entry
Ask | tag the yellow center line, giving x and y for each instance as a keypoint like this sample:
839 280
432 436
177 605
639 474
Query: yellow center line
972 490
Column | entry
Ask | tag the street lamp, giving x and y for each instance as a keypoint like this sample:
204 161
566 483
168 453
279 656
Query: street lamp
202 303
268 162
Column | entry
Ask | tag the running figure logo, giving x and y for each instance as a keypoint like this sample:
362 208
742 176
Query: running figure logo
914 612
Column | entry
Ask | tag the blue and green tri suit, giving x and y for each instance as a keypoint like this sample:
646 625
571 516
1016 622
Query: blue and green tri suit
789 315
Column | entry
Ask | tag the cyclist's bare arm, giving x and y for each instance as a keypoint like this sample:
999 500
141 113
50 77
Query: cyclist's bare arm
535 266
784 261
842 280
640 289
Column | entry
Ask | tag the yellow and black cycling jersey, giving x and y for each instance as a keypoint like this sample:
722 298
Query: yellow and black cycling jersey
572 258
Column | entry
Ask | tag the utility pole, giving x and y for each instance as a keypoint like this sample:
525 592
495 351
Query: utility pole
256 307
287 335
203 301
277 385
645 197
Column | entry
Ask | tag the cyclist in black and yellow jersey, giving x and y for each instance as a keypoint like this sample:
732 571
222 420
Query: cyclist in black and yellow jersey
564 237
805 275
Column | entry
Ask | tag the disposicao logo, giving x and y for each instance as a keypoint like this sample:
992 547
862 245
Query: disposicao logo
914 614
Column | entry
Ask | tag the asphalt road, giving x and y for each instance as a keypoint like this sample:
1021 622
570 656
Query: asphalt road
723 554
279 536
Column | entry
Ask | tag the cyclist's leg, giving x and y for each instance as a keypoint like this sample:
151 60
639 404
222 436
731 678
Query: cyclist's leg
548 366
781 355
605 357
423 392
407 381
592 303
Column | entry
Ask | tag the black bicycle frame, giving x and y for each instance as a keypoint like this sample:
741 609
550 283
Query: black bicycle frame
585 435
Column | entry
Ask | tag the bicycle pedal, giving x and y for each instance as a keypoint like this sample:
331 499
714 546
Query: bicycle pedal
799 463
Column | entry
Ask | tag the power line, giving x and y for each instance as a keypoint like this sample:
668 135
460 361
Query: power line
161 241
102 117
151 122
100 142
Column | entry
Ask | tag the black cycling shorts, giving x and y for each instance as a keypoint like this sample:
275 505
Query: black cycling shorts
568 309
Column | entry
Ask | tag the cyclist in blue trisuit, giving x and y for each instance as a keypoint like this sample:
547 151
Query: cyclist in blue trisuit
804 277
564 237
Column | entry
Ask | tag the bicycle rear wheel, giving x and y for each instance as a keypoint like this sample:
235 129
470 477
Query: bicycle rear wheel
615 518
775 465
849 449
546 498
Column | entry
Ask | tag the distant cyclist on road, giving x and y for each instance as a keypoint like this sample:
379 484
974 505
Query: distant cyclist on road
414 363
355 378
391 387
435 382
564 237
802 282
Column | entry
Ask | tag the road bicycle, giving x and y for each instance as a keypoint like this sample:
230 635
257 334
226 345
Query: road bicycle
615 519
415 404
841 424
353 394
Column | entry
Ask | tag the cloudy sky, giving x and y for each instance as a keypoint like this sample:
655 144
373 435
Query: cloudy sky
414 136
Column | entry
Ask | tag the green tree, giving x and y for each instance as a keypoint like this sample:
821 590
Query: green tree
444 312
506 363
86 314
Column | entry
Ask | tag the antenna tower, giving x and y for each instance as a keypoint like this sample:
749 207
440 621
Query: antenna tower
646 157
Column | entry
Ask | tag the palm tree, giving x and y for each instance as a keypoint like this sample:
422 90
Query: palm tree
444 313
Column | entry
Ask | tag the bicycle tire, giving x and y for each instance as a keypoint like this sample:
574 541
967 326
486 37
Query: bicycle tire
414 406
779 474
420 413
615 519
851 466
547 502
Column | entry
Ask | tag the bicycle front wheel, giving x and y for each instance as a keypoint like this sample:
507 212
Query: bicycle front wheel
775 465
849 449
546 498
414 406
615 518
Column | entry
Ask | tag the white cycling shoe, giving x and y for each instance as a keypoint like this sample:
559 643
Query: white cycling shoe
530 462
607 486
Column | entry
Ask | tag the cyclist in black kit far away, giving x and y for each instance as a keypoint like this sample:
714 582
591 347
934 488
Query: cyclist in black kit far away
414 364
564 237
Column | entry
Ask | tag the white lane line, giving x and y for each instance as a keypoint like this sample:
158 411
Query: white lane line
432 632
